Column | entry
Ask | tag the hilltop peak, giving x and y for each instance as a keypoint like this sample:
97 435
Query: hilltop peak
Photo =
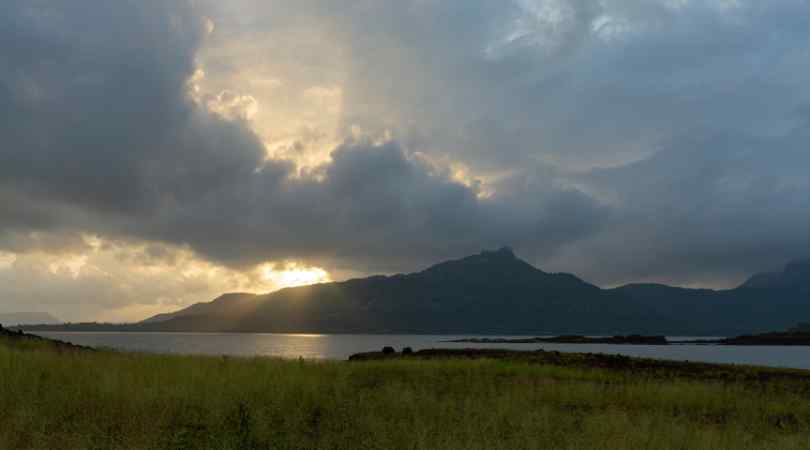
233 297
487 263
503 252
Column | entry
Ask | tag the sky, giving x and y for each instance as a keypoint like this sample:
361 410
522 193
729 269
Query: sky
157 153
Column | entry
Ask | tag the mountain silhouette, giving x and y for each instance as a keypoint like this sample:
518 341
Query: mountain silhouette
25 318
765 302
491 292
233 303
796 275
495 292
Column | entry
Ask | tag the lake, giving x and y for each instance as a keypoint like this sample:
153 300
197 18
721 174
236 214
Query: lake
340 346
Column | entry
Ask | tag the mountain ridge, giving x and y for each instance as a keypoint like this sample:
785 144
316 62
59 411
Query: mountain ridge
796 274
223 301
493 292
26 318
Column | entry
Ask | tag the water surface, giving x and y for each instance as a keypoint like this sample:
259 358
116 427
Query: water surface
340 346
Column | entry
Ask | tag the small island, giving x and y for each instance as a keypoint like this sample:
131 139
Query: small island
798 335
633 339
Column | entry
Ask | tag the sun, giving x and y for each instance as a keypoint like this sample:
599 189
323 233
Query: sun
293 274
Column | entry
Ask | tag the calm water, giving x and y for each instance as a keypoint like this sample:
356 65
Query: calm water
340 346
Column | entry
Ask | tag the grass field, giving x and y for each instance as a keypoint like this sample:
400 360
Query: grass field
66 399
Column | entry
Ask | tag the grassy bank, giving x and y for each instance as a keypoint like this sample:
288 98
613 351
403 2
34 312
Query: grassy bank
74 399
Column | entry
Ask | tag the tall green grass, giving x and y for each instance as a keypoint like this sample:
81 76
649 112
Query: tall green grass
110 400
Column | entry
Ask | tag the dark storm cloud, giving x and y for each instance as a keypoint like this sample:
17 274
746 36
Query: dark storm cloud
707 207
102 137
97 112
375 209
98 125
629 138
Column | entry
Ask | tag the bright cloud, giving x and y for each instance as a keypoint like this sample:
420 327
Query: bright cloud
125 281
291 274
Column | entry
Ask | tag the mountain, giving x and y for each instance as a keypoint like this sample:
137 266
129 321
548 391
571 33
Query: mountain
222 305
27 318
494 292
796 275
764 302
491 292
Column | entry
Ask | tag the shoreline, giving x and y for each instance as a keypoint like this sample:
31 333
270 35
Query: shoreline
17 336
764 339
580 360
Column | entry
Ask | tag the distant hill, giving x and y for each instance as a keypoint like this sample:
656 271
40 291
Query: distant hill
725 312
493 292
224 304
27 318
796 275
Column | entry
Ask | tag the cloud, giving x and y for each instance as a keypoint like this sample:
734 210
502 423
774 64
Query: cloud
636 105
620 139
707 208
99 116
233 106
372 207
116 280
595 103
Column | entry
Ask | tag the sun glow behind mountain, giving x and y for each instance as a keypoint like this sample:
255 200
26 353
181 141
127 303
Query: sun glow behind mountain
293 274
